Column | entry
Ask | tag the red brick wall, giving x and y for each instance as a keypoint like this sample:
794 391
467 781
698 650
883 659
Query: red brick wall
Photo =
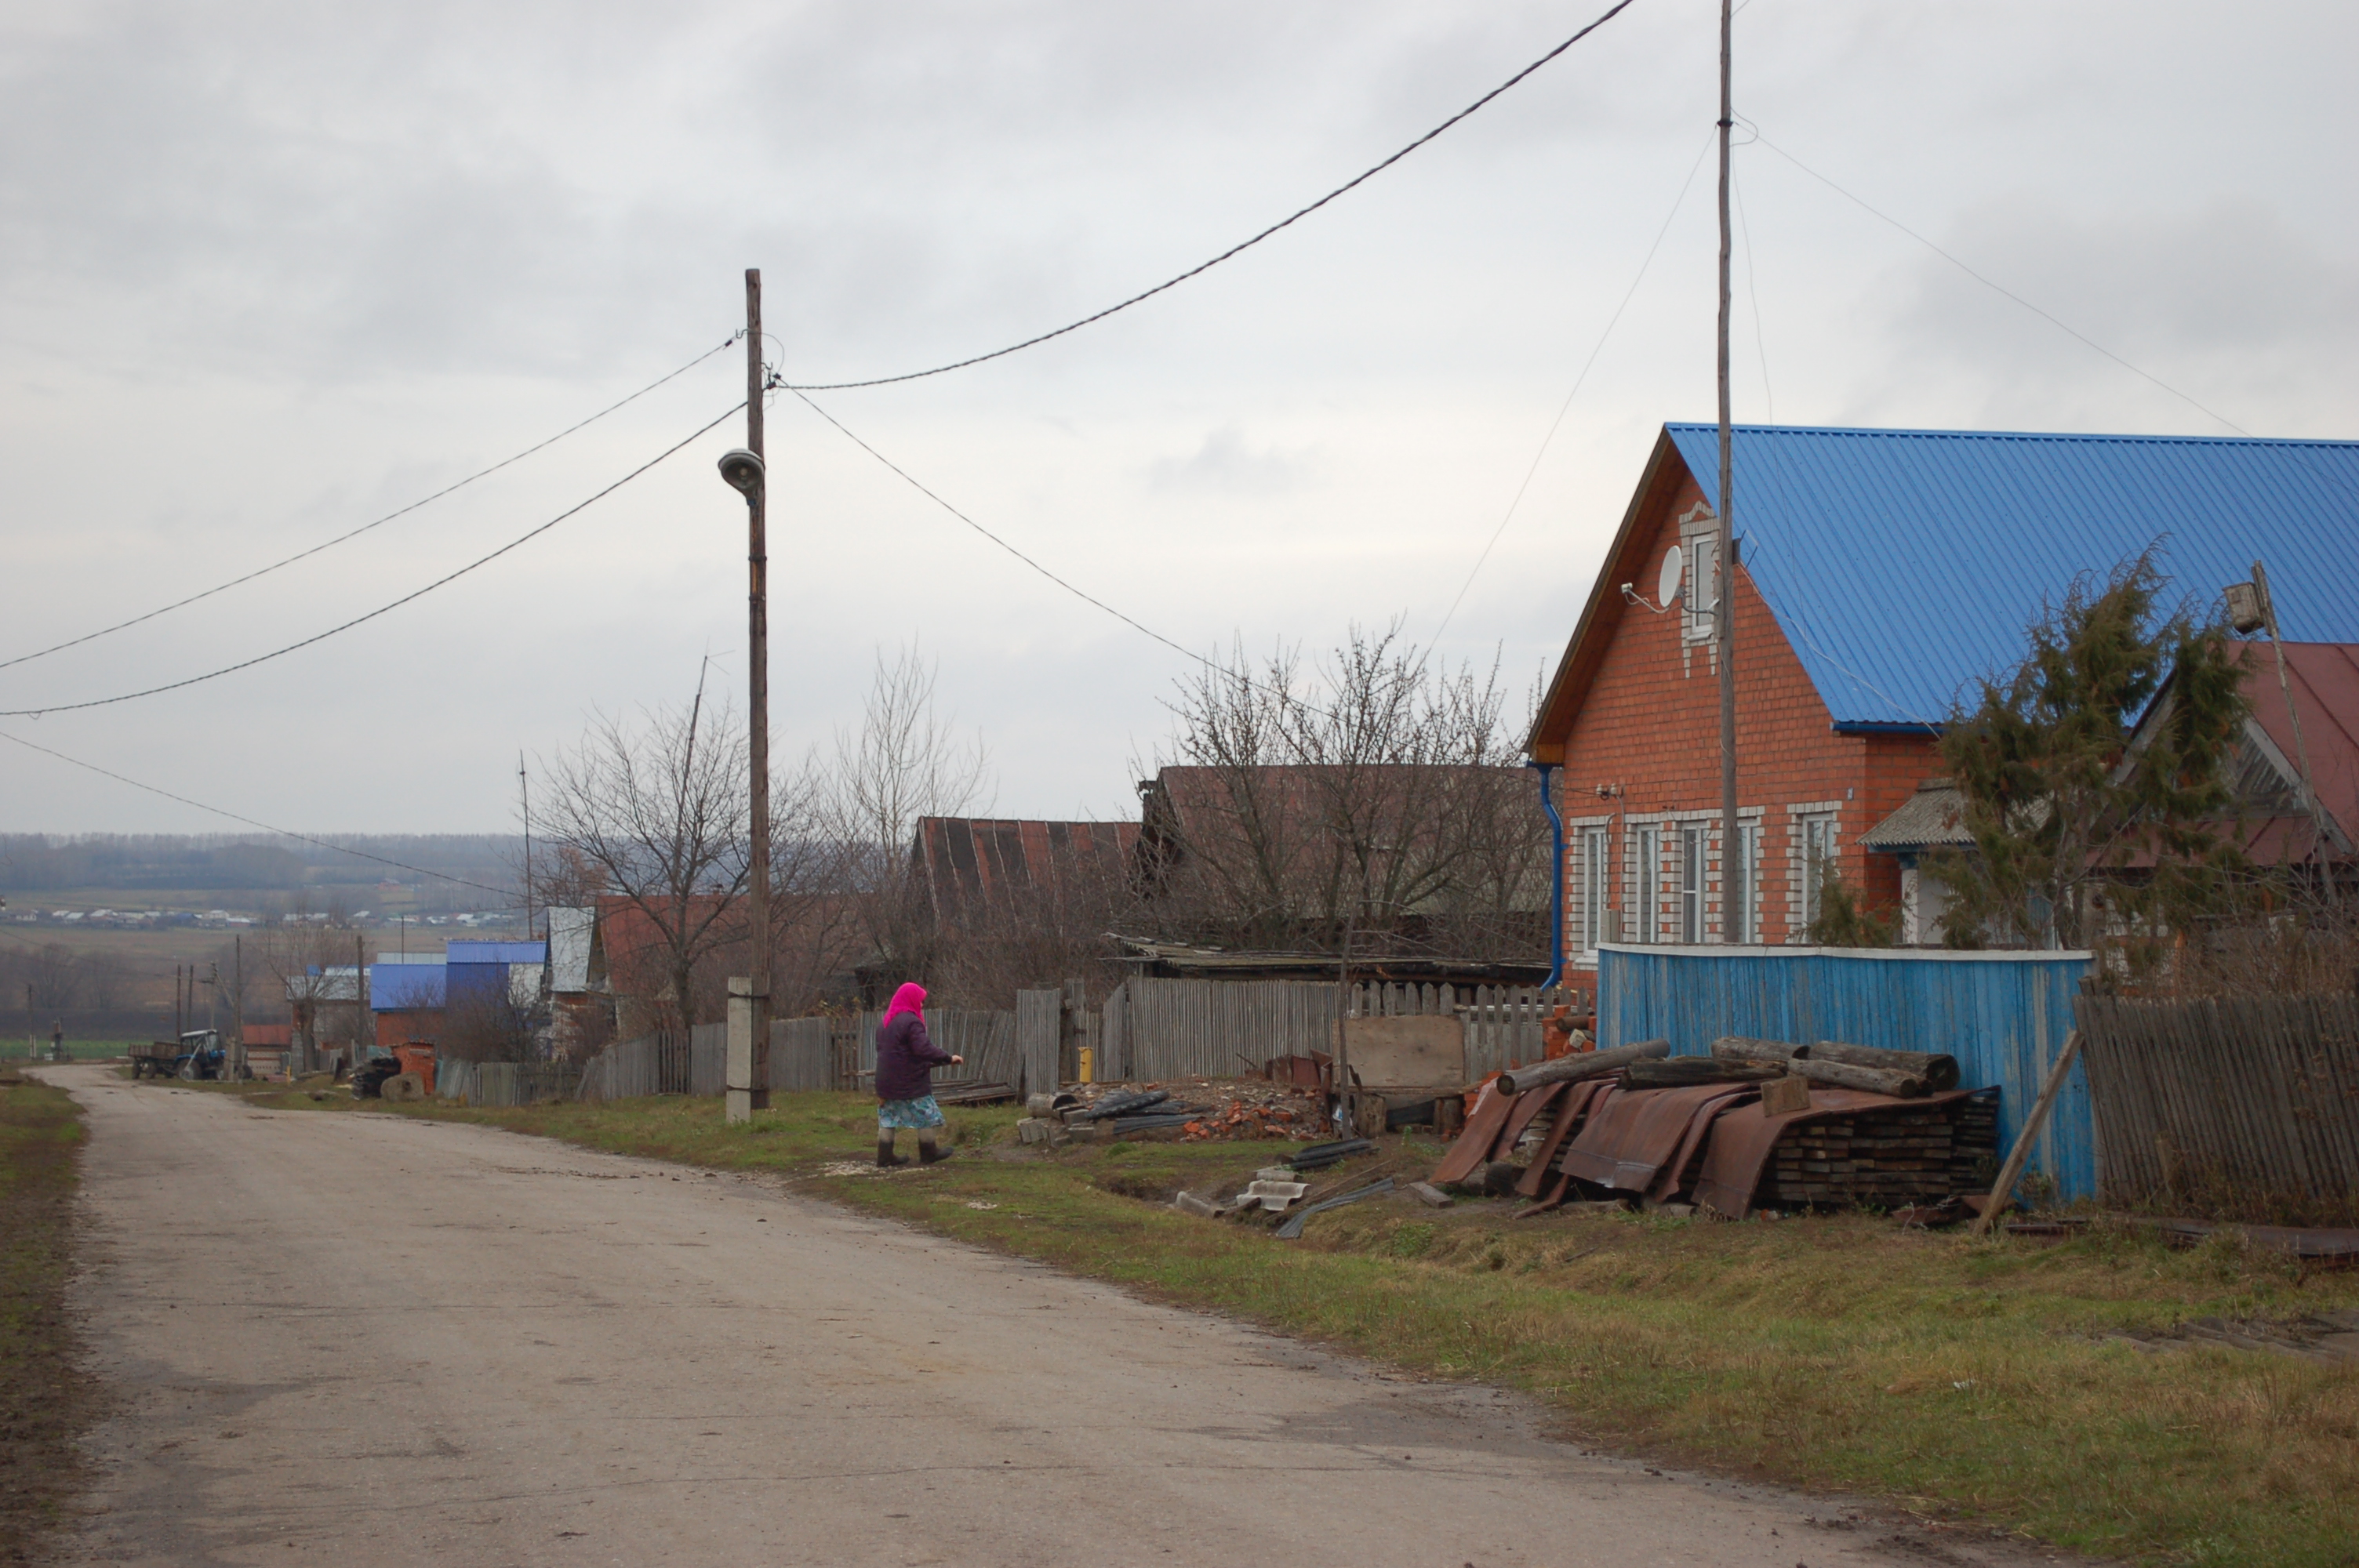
1651 727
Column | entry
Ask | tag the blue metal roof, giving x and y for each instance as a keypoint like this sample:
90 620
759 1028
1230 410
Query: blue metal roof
399 988
1903 564
497 952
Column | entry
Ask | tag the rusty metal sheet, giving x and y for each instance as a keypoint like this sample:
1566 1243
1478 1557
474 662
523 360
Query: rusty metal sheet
1629 1140
1473 1145
1739 1150
1558 1185
1571 1112
1666 1186
1528 1108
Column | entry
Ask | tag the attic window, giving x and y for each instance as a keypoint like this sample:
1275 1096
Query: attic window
1699 542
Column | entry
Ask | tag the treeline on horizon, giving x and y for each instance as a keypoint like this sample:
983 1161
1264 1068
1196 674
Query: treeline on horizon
260 862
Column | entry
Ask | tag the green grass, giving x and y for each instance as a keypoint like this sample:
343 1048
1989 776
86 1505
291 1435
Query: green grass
1970 1381
12 1050
44 1399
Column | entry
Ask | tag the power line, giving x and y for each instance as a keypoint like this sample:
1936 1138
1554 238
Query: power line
1083 594
250 822
1599 347
917 485
380 610
1238 249
356 533
1997 288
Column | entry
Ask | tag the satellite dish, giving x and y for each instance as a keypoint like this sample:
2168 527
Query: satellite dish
1667 588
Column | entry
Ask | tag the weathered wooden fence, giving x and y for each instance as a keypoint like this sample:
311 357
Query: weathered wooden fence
506 1083
1502 1022
1179 1029
693 1063
2259 1093
1150 1029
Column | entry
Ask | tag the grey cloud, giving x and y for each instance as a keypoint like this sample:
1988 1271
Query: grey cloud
1226 464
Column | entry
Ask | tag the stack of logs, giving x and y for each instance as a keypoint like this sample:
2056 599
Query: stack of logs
1887 1158
1903 1075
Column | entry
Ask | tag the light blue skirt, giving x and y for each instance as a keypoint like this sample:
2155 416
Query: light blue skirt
919 1113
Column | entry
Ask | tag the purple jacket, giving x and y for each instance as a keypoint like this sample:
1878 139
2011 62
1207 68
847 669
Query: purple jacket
906 1058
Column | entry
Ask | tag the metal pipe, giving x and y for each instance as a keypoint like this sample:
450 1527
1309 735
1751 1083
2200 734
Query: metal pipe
1547 772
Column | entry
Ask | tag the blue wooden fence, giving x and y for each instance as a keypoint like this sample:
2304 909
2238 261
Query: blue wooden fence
2003 1016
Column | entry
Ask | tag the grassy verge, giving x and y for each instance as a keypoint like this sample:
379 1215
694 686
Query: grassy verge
1978 1382
45 1400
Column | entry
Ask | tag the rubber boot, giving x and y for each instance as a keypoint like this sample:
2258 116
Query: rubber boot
930 1154
885 1155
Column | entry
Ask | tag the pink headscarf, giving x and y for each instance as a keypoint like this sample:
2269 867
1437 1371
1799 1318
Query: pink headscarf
911 998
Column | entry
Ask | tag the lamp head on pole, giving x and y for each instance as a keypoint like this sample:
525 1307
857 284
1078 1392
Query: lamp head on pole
742 470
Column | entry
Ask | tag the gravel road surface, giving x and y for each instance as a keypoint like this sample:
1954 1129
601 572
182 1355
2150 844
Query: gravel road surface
359 1339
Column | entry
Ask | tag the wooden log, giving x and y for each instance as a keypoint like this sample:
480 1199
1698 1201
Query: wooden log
1568 1069
2003 1190
1874 1080
1939 1071
1736 1048
1679 1072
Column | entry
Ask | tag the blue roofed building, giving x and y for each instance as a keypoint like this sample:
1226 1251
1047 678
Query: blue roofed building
494 972
1880 574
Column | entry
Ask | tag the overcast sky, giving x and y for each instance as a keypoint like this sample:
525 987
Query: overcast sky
268 271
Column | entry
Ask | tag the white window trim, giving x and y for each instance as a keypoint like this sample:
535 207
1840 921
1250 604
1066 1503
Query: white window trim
1578 914
1797 926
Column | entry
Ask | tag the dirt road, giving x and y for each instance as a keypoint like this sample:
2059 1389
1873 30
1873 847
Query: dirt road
364 1340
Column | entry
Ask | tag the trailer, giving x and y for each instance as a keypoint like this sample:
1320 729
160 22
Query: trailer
199 1057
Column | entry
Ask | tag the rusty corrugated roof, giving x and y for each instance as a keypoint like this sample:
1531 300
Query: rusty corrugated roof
971 862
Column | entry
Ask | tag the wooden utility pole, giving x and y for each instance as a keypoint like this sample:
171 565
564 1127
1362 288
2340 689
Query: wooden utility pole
237 994
1734 873
756 1088
180 1018
360 1000
524 804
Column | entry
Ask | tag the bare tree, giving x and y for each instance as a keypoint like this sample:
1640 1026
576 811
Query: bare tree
1375 800
296 950
656 810
903 763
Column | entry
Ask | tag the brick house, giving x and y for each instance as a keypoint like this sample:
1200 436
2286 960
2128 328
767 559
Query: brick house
1880 573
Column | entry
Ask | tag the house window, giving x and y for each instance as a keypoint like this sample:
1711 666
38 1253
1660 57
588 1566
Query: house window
1741 899
1691 885
1818 862
1649 871
1592 886
1748 903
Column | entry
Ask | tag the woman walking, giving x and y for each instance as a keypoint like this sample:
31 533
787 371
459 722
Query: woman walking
905 1060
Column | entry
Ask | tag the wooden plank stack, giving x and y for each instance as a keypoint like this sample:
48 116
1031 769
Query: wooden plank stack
1885 1158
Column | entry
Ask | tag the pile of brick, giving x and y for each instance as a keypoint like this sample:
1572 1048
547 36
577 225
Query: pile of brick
1885 1158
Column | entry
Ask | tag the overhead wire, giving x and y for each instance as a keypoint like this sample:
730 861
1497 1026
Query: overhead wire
382 609
1236 250
379 523
1214 665
1998 288
1599 347
250 822
919 486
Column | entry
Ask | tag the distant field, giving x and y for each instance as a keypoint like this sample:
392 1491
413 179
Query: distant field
149 956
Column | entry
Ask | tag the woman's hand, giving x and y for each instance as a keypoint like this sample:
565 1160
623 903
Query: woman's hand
958 1061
